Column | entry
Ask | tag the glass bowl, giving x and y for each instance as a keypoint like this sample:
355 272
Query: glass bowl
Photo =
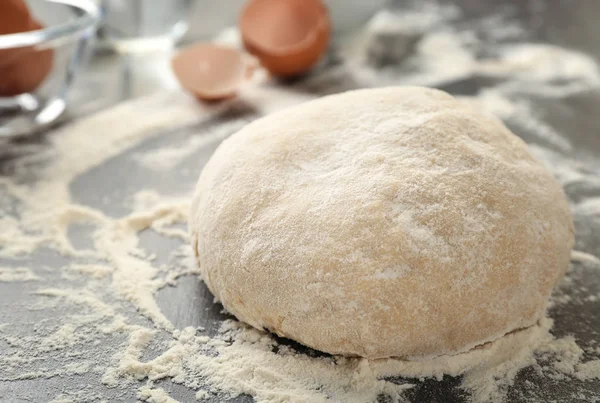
37 68
131 26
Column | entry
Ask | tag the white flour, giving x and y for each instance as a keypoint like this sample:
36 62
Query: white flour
166 158
106 294
8 274
158 395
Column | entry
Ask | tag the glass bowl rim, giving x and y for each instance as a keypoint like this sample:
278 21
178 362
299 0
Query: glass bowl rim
88 20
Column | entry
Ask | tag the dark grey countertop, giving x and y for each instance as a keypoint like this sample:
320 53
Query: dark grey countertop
569 24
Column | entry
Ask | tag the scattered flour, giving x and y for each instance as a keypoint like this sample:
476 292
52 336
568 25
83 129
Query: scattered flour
93 307
445 54
202 395
8 274
533 63
579 256
158 395
93 270
167 158
588 370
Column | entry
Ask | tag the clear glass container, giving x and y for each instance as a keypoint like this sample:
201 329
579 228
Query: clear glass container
130 26
37 68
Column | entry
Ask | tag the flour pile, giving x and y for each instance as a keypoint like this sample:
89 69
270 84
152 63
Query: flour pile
93 246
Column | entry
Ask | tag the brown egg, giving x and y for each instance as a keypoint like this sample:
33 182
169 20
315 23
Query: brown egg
26 69
210 71
14 18
288 36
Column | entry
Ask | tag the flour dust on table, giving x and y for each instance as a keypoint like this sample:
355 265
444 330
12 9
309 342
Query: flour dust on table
94 255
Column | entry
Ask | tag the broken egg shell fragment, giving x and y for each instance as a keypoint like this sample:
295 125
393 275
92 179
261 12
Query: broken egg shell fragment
287 36
210 72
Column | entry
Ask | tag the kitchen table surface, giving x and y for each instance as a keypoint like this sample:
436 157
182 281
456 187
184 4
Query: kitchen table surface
112 79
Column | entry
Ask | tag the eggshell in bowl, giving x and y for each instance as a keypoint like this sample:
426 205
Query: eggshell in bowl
288 36
14 18
27 68
209 71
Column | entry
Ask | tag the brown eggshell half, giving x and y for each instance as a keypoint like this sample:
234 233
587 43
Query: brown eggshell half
287 36
209 71
14 18
27 69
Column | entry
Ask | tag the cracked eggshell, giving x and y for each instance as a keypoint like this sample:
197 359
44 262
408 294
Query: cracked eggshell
210 71
287 36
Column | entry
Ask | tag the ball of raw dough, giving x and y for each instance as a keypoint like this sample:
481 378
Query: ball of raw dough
394 222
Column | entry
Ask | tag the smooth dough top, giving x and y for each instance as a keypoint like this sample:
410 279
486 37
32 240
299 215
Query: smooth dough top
393 222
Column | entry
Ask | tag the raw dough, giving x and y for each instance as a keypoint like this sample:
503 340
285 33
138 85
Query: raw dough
381 222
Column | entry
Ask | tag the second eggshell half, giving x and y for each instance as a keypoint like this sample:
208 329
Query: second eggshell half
210 71
287 36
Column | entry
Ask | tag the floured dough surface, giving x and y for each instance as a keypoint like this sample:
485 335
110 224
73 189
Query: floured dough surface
394 222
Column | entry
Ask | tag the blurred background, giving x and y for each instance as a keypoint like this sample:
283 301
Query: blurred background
65 58
142 67
61 59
